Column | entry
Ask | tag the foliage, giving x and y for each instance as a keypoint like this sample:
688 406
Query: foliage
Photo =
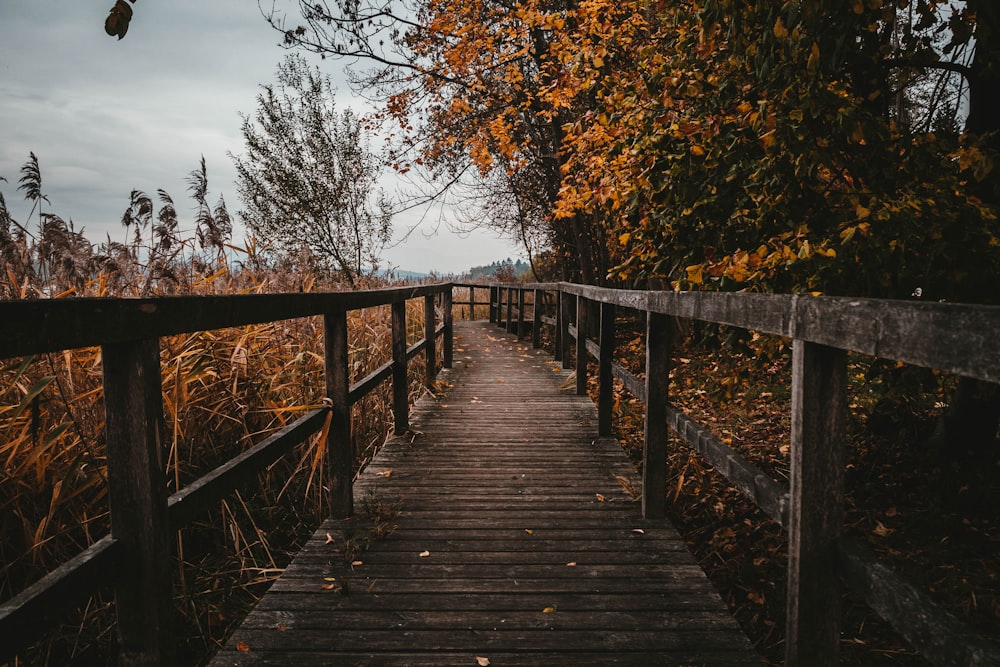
751 146
223 391
307 180
462 87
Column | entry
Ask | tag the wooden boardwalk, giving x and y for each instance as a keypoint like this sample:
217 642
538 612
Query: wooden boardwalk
515 544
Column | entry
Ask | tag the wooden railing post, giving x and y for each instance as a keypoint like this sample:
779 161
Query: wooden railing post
400 385
339 448
137 493
557 335
521 292
605 378
494 296
659 344
510 311
581 346
449 327
472 303
566 305
816 499
537 306
430 347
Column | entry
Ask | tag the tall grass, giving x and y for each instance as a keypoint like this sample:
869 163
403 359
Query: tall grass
223 391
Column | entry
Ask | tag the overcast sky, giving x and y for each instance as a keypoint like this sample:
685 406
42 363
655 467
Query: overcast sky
105 116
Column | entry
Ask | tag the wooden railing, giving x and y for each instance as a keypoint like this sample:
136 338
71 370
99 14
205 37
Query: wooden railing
135 557
959 339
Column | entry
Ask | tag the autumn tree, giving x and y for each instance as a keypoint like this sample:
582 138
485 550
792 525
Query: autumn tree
307 179
465 86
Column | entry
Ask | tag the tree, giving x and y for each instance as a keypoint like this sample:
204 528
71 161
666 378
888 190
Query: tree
308 179
465 84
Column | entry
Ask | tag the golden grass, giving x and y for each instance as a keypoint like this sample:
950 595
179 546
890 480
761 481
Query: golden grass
223 391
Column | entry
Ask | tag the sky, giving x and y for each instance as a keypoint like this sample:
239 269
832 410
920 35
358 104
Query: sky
105 117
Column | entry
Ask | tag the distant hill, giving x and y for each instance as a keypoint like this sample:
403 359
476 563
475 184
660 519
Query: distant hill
504 268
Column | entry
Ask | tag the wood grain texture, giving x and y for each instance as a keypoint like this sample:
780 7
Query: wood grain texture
515 542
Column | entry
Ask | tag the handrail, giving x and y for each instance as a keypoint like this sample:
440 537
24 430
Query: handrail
134 557
957 338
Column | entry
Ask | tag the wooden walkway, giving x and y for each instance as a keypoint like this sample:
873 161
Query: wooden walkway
515 544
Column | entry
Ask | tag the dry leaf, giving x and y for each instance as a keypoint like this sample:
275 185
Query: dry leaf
638 531
425 554
329 538
282 628
881 530
243 647
355 563
548 610
529 531
600 497
571 564
386 473
482 662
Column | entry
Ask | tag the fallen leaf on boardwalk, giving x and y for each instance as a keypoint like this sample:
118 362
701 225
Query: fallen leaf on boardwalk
529 531
355 563
482 662
571 564
600 497
881 530
330 587
282 628
475 400
329 538
243 647
387 473
548 610
425 554
329 578
638 531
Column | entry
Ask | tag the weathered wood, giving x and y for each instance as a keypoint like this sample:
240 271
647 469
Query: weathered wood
509 322
957 338
26 616
430 351
137 493
936 634
521 302
400 388
537 308
581 346
339 450
816 498
567 304
605 377
659 349
50 325
448 328
195 498
509 553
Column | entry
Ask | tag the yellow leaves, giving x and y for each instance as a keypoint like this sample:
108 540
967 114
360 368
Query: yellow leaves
780 31
548 610
768 139
697 150
425 554
623 239
812 64
695 274
482 662
862 212
243 647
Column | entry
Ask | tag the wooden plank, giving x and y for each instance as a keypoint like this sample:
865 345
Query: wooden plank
198 496
581 346
659 344
605 384
816 503
936 634
339 448
138 498
26 616
49 325
400 386
513 538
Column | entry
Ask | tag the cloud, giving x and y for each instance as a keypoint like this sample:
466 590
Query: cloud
107 116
